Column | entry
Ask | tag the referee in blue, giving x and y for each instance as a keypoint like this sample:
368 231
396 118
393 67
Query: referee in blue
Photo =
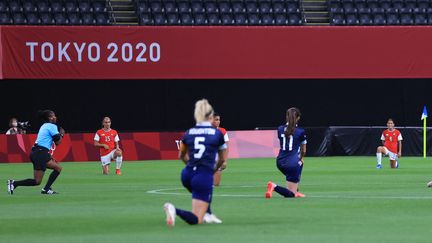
40 157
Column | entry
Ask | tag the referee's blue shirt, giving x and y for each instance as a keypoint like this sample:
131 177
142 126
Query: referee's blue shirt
46 132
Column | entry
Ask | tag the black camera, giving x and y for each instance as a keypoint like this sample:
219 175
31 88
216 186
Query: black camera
24 125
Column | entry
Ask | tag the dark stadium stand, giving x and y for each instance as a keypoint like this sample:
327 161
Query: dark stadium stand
54 12
216 12
219 12
380 12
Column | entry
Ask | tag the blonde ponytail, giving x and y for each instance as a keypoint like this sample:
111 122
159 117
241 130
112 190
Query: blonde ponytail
203 110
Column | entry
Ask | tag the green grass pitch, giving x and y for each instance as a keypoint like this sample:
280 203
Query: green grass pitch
348 200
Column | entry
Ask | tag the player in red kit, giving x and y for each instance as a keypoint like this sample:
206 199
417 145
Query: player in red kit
392 145
107 140
216 123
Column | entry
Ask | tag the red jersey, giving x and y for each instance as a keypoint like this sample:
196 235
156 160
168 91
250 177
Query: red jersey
224 132
391 140
106 137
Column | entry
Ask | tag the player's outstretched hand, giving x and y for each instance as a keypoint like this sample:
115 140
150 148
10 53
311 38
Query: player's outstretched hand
105 146
399 155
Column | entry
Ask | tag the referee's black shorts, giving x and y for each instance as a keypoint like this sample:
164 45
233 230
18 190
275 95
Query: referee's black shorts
40 156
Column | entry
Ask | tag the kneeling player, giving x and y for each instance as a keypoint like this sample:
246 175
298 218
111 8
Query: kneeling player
107 139
392 145
216 123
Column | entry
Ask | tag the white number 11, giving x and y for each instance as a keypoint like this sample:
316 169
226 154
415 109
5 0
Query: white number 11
290 143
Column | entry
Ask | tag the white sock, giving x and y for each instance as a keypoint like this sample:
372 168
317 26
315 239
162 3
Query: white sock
119 160
379 158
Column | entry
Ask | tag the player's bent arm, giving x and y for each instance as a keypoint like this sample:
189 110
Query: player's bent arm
183 155
400 148
302 151
97 144
223 154
57 138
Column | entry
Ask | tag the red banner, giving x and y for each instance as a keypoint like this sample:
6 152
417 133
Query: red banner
85 52
79 147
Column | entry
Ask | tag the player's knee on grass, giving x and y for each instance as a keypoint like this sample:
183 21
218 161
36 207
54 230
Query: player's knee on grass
393 164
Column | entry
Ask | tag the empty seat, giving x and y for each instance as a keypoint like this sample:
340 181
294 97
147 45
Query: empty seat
251 6
365 17
85 6
46 18
160 19
254 19
74 19
279 6
423 4
378 16
102 18
225 6
392 16
173 19
183 6
227 19
170 6
373 4
43 6
337 18
267 19
410 4
88 19
186 19
146 19
280 19
238 6
197 7
156 6
33 19
57 6
420 16
406 16
294 19
5 18
29 7
265 6
337 3
292 6
99 6
71 7
351 19
200 19
4 7
398 4
240 19
60 19
19 18
143 7
213 19
211 6
385 4
15 6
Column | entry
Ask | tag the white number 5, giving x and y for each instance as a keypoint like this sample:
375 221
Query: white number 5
198 145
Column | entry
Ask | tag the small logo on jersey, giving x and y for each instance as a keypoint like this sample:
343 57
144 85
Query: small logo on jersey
391 139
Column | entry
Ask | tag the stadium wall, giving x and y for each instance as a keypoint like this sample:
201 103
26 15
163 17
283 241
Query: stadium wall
79 147
217 52
329 141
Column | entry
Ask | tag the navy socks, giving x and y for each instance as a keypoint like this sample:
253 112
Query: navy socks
187 216
283 191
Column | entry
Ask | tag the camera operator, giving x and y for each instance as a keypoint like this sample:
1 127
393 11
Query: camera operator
16 127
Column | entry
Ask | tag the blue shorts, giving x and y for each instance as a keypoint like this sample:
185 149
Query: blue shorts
199 181
291 169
